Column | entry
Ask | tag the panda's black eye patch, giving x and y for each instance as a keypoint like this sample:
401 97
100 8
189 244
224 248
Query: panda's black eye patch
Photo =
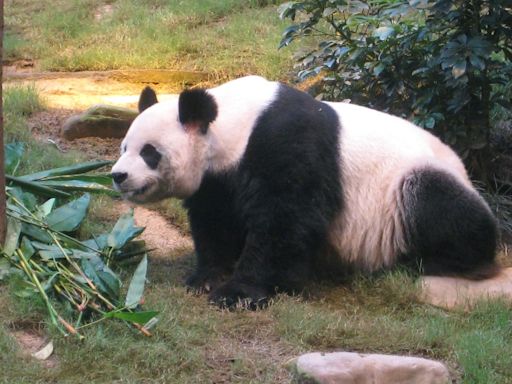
150 155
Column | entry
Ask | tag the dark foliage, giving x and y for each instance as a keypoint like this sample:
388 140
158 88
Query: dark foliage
442 64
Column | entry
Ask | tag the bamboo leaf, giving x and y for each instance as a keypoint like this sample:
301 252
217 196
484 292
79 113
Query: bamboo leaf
99 178
47 207
131 249
36 233
5 268
52 252
23 288
13 155
68 217
12 236
73 169
36 188
90 271
123 231
136 287
79 185
135 317
26 248
48 284
98 242
111 281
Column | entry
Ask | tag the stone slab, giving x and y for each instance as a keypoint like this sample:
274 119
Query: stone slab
451 292
356 368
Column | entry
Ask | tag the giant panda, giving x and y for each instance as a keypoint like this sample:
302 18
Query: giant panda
278 185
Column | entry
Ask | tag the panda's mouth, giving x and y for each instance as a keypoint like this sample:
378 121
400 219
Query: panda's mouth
135 194
141 190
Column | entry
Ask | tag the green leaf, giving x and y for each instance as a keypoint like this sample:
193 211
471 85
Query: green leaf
48 284
111 281
135 317
68 217
12 236
36 188
26 292
12 157
47 207
26 248
25 198
136 288
98 242
90 272
73 169
430 122
79 185
5 268
328 11
378 69
51 251
131 249
477 62
36 233
123 231
459 68
384 32
99 178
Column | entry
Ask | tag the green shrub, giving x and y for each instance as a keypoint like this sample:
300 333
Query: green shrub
439 63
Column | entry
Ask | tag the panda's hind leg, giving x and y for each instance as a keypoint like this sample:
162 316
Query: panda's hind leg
448 227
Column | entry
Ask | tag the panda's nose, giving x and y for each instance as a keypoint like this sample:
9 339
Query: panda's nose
119 177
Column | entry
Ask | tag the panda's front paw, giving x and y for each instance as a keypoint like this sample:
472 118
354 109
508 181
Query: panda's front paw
235 294
206 280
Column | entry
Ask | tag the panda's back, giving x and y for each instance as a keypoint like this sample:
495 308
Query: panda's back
377 151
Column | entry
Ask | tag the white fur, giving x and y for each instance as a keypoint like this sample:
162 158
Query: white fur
187 155
240 103
377 151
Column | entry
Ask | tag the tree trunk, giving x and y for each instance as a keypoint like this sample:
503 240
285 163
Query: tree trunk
2 171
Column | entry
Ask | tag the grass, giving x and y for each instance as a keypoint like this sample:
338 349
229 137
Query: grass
226 38
196 343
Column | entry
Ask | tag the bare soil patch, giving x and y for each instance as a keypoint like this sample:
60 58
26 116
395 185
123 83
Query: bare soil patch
80 90
46 127
31 341
159 233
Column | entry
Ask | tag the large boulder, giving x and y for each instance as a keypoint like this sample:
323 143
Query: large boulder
99 121
356 368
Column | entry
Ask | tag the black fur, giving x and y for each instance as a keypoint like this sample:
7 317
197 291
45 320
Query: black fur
449 229
150 156
198 107
217 230
147 99
119 177
266 220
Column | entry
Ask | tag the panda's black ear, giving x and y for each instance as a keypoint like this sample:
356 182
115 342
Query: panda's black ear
147 99
197 109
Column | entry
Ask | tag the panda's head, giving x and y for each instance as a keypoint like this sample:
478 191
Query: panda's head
165 151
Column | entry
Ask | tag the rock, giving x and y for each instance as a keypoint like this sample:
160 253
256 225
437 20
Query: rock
99 121
451 292
45 352
355 368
